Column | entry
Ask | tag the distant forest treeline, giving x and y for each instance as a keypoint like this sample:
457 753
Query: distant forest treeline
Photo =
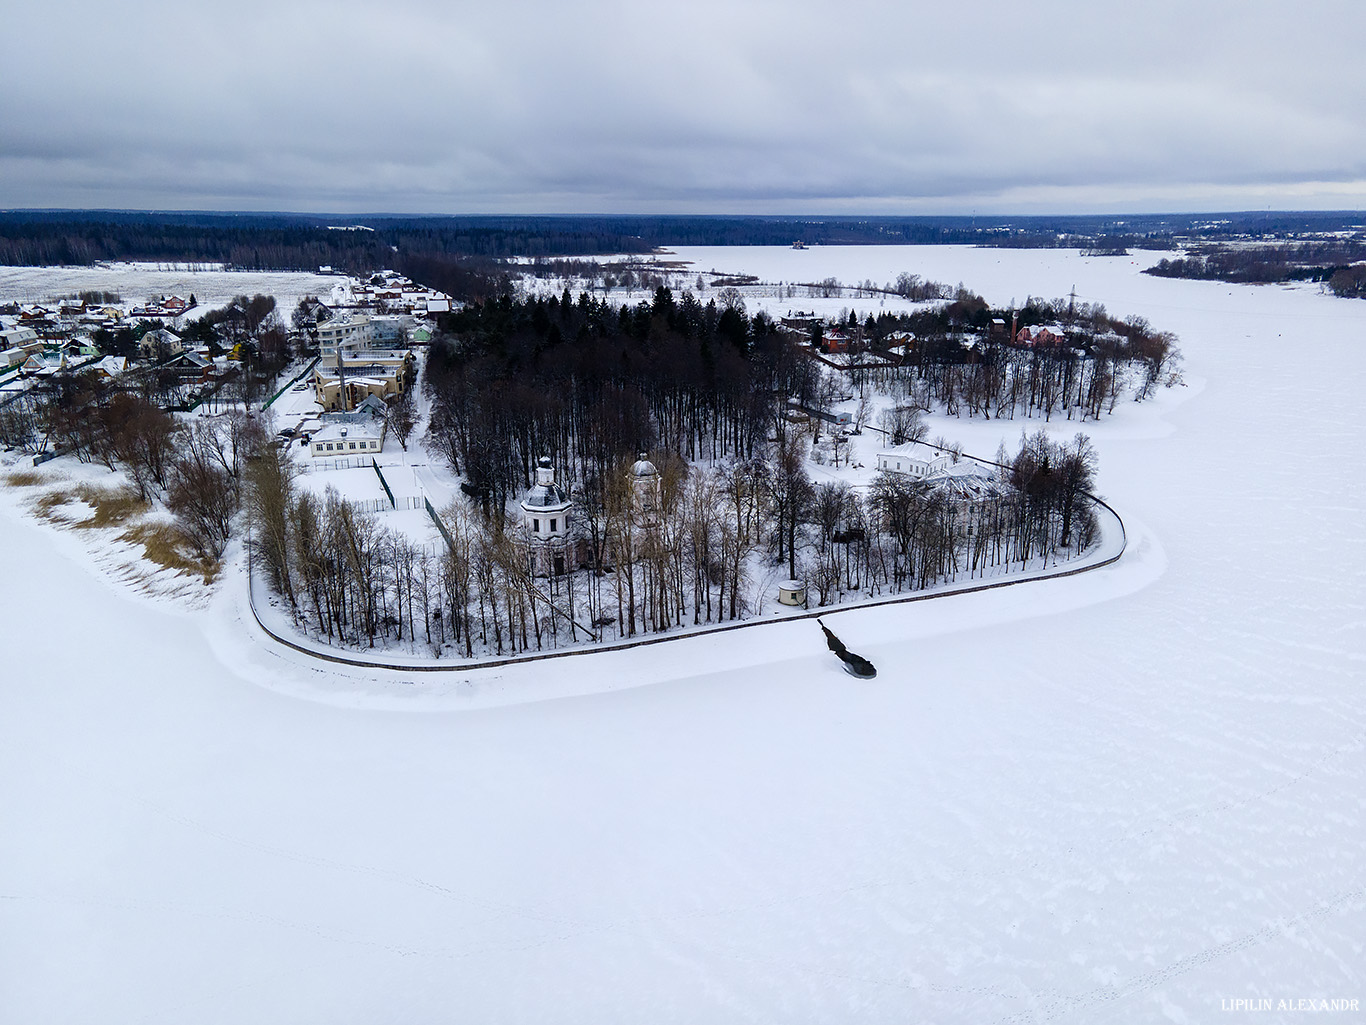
464 250
1338 263
294 242
282 242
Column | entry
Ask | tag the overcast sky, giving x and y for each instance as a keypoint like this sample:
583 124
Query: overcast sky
593 107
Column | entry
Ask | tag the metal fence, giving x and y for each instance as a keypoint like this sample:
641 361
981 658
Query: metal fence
384 483
383 505
322 465
439 525
291 382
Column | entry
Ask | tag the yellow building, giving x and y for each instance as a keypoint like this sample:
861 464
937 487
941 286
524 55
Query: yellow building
347 379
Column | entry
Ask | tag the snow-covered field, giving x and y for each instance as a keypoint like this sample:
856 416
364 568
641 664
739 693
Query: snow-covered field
782 273
137 282
1128 796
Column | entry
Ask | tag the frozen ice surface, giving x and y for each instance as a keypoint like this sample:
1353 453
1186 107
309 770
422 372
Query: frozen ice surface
1121 797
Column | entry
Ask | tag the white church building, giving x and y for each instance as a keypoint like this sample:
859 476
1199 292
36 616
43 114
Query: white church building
547 514
553 543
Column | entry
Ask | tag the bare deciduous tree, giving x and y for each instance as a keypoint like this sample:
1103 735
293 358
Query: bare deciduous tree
201 492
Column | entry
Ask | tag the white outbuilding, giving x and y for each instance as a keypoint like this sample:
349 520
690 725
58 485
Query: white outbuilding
340 440
644 491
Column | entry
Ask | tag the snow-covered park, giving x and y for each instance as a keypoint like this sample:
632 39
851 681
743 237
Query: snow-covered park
1133 795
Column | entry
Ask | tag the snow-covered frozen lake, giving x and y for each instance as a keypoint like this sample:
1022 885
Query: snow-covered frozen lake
1123 797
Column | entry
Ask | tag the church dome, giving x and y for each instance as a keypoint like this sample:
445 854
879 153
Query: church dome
545 493
642 467
545 496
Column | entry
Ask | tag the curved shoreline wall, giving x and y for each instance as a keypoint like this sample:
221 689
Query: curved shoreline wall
438 666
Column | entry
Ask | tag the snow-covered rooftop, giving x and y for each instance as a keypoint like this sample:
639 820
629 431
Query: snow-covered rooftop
353 431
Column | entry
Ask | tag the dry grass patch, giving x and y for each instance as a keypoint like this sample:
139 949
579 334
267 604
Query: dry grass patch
165 545
112 506
47 504
48 500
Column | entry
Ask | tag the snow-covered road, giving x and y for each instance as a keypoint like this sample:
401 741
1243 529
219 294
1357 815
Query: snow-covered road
1122 797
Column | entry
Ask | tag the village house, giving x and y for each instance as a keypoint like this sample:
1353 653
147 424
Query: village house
109 367
160 344
189 361
45 364
189 371
41 321
395 294
800 323
800 327
1040 336
24 339
82 345
835 341
101 316
164 307
900 343
312 311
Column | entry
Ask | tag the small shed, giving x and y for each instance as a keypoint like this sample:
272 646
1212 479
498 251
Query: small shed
792 592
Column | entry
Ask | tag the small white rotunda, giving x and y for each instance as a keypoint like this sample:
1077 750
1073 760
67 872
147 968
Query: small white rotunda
644 491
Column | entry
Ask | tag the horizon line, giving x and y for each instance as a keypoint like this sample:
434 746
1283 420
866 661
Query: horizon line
679 216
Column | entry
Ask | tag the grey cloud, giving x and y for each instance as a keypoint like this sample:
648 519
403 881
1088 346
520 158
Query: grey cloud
792 107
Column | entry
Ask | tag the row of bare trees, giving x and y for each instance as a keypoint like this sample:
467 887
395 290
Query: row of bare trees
194 467
962 358
908 534
708 548
1006 382
353 581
